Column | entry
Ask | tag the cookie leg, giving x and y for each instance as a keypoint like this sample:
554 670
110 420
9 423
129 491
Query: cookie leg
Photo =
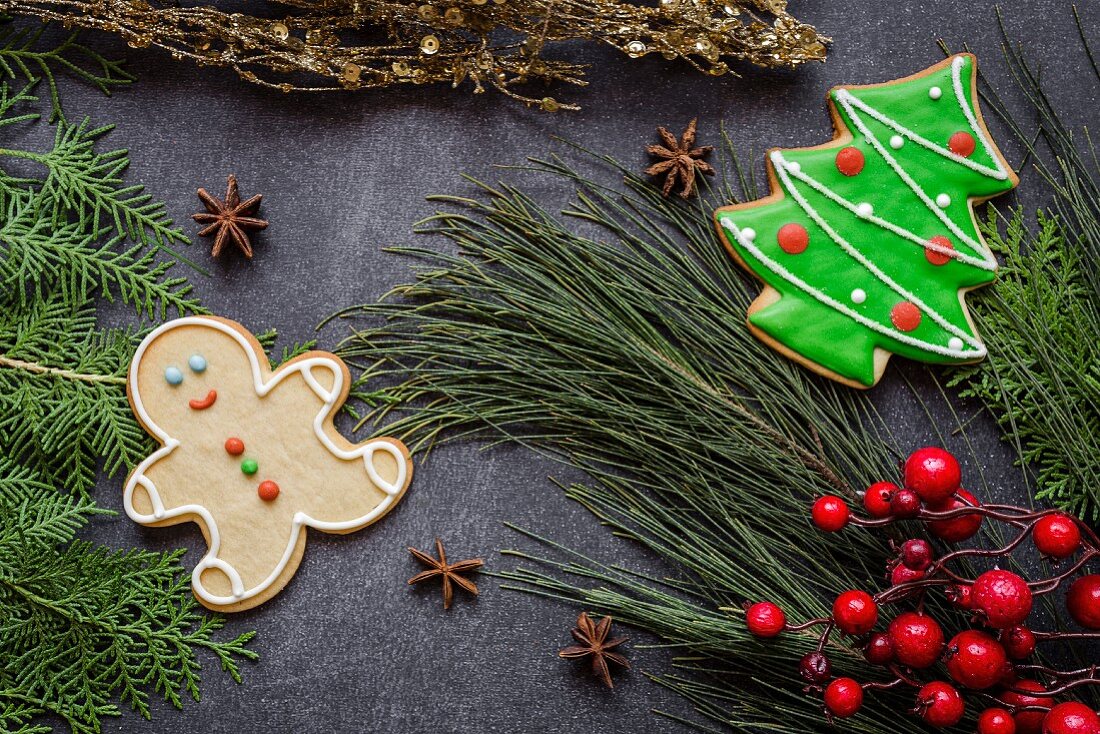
249 561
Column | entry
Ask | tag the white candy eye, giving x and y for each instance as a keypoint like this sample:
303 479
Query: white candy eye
173 376
197 363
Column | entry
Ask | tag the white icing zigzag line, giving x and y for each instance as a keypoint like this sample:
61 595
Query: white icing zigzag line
978 350
983 263
999 173
781 168
838 306
300 519
956 80
845 100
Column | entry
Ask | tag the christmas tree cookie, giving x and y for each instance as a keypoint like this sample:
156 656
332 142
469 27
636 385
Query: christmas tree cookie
867 244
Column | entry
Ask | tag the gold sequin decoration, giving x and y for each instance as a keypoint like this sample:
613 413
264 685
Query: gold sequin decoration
499 44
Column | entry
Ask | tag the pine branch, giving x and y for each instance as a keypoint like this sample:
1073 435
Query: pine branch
618 345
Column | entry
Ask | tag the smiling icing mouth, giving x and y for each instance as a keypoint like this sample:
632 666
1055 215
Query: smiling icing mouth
205 402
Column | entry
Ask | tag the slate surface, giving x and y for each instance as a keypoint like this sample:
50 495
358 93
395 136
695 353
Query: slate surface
347 646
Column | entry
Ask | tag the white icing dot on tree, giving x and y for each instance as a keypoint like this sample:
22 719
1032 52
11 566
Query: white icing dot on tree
864 209
943 201
935 92
794 167
748 233
859 295
897 141
955 343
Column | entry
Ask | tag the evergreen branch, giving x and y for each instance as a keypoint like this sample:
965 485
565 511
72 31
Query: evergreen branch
82 629
1041 380
40 369
82 182
619 347
21 57
1042 377
45 254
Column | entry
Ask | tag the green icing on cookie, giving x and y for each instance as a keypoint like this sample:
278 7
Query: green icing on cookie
868 241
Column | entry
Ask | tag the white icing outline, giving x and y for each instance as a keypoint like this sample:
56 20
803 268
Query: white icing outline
300 519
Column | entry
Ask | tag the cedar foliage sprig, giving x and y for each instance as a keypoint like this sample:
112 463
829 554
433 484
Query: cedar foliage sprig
1042 317
83 629
22 57
62 405
82 624
630 360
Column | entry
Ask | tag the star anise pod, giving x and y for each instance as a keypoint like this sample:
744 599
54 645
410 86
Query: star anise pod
449 572
681 160
230 219
593 642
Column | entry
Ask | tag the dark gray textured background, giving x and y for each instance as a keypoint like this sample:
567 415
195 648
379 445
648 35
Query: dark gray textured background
348 646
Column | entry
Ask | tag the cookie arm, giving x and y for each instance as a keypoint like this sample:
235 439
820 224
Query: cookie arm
325 377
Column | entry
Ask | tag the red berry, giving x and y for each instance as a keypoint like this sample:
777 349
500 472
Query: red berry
940 704
876 500
855 612
933 474
830 513
917 639
975 660
996 721
765 619
1083 601
879 650
1056 535
815 667
903 575
1003 598
905 503
1072 717
1019 642
1027 722
843 697
958 528
961 595
916 554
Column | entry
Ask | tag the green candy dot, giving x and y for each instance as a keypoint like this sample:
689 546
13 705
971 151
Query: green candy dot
249 466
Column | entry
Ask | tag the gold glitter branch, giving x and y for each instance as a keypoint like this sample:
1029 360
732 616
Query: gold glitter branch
322 45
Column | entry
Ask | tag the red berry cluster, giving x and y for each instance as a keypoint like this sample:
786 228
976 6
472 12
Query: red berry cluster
992 657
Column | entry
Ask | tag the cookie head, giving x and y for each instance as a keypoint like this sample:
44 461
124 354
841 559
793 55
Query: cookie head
188 372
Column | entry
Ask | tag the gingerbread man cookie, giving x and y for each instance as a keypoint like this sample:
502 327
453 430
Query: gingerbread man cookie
251 455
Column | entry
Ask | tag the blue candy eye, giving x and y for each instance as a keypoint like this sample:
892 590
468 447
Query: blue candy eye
173 376
197 363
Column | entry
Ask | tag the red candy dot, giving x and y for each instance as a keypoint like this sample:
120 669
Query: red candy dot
268 490
939 258
905 316
793 238
849 161
962 144
234 446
